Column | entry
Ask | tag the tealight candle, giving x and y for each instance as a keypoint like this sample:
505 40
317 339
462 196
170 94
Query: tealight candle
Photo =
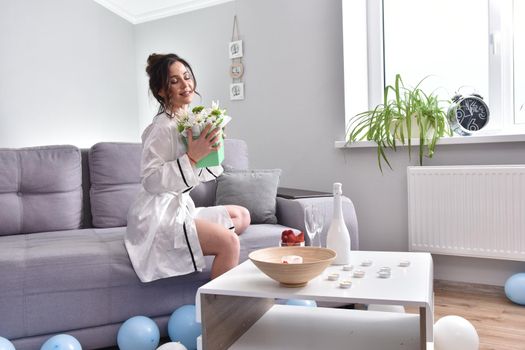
333 277
366 263
359 273
404 263
345 284
348 267
291 259
383 274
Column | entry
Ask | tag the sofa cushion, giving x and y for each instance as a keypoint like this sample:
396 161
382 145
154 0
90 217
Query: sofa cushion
56 281
114 169
256 190
40 189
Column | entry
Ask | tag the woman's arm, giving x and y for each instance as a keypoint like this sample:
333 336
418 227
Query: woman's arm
209 173
160 172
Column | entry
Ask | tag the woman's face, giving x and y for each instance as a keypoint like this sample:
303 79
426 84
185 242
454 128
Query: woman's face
181 86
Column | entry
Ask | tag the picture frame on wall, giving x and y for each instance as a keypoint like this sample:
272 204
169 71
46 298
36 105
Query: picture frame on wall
237 91
235 49
236 70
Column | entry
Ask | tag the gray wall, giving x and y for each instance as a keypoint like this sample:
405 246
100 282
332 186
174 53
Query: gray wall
67 74
294 111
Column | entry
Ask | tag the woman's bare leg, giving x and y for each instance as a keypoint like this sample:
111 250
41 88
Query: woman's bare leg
217 240
240 217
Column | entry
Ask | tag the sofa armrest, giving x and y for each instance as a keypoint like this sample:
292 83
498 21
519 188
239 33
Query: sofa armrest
290 212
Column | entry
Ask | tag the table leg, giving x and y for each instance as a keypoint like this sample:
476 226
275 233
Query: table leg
225 318
422 328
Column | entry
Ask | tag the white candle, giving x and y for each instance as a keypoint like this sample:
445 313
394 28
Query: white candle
333 277
345 284
291 259
348 267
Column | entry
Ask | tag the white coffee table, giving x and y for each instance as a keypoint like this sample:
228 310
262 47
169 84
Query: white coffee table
238 309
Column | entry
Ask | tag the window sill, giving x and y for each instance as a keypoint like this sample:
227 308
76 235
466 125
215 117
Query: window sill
454 140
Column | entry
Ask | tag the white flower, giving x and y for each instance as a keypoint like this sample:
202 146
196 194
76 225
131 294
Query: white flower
182 114
200 116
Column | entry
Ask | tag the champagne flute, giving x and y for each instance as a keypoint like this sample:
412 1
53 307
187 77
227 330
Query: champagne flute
313 222
319 224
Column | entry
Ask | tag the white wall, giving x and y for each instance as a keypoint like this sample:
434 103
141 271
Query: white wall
294 111
67 74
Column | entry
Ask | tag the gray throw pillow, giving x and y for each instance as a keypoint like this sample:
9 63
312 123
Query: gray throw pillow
256 190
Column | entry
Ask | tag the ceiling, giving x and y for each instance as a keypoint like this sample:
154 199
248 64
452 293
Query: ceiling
139 11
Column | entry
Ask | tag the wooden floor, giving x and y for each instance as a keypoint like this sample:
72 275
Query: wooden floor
499 322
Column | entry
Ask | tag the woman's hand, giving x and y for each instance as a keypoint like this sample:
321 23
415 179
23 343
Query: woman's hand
202 146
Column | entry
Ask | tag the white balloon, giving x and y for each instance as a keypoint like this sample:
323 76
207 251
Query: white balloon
386 308
172 346
454 333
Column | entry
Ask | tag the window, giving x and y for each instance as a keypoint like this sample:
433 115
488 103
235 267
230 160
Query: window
519 61
464 46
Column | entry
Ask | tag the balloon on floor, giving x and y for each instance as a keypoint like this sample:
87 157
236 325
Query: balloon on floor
515 288
183 327
301 302
138 333
172 346
61 342
455 333
5 344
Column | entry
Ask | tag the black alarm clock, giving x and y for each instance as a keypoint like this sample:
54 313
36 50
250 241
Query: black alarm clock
468 114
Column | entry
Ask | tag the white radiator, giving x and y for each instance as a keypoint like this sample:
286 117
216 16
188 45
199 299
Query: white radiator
474 211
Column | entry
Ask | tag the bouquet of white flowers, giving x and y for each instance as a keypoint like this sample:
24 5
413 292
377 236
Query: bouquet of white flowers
197 119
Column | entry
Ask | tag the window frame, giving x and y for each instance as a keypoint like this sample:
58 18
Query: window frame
357 99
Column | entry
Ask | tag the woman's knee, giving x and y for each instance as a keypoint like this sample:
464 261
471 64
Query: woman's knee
244 219
246 216
233 241
215 238
229 240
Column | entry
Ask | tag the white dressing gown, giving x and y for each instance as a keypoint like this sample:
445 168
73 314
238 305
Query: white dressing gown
161 238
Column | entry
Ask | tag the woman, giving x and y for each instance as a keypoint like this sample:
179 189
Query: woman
166 235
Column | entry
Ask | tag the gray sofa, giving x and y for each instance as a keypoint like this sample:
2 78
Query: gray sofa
63 264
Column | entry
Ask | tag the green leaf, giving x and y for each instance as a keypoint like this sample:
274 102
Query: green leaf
197 109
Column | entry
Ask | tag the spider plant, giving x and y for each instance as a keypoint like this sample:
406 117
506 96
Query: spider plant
405 113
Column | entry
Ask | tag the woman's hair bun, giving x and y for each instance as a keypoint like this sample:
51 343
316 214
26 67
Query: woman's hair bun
153 60
156 60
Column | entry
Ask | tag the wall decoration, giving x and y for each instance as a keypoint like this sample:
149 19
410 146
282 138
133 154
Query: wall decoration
237 91
468 114
236 49
236 68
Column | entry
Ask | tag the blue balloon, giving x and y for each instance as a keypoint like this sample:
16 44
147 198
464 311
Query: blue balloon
301 302
138 333
6 344
182 327
61 342
515 288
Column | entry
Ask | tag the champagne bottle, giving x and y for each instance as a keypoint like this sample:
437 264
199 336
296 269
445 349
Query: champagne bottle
338 237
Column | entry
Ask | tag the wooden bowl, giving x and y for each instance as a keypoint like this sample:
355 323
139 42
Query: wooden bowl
315 261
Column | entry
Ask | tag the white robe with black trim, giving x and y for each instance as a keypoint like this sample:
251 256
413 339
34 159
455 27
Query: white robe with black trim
161 238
